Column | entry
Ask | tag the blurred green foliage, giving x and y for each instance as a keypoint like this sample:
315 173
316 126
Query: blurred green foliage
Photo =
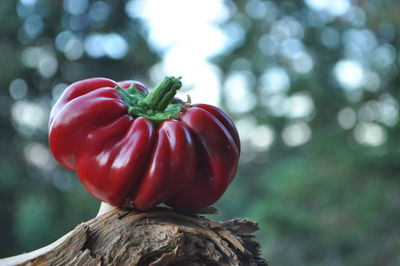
318 116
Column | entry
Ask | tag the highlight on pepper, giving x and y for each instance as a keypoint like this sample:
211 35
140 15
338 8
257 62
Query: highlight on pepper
133 147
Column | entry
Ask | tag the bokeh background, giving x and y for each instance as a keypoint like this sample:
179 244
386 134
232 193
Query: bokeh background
312 85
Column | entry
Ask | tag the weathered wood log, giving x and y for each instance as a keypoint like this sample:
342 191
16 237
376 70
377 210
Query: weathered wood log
158 237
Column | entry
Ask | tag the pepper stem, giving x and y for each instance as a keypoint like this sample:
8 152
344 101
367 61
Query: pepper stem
161 96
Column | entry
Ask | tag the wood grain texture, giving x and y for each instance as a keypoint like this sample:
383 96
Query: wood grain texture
158 237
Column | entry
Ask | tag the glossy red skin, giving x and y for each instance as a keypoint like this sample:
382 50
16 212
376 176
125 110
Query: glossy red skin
128 161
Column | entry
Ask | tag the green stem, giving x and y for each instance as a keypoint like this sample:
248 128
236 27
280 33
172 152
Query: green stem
162 95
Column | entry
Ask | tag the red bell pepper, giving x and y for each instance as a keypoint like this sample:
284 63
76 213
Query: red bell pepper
130 147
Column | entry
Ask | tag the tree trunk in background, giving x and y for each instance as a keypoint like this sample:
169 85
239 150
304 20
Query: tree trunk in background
158 237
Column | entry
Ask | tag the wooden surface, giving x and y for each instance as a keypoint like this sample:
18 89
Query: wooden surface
158 237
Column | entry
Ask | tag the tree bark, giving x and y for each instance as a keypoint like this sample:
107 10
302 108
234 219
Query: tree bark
158 237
